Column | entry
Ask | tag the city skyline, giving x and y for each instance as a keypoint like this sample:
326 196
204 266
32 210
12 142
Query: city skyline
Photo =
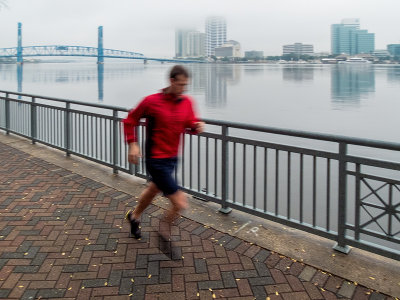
149 27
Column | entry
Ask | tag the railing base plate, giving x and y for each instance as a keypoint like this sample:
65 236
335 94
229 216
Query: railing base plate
345 249
225 210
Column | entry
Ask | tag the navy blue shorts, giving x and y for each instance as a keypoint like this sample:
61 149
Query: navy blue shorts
161 171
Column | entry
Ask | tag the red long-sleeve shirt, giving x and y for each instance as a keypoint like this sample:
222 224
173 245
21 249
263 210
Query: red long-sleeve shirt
167 118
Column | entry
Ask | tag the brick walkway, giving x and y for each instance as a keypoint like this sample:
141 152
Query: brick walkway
63 236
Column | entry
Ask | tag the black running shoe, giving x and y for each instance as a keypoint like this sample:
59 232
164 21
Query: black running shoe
135 229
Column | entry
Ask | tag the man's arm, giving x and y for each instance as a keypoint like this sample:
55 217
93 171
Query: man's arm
130 123
199 126
134 153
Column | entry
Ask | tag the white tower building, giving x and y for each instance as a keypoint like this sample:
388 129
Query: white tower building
215 34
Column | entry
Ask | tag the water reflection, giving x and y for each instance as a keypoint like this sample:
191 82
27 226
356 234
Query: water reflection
217 84
100 81
20 73
213 82
297 73
351 83
393 74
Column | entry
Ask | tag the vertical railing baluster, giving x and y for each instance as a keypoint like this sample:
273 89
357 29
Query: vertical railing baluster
341 238
190 160
224 171
215 168
115 141
254 177
390 214
33 120
207 166
67 129
183 160
288 185
328 194
265 178
244 175
198 163
301 186
7 114
358 203
276 182
234 174
314 192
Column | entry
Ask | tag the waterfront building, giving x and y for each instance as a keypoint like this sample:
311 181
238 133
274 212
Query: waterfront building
215 34
348 38
197 41
381 53
229 49
394 49
181 42
253 54
298 49
189 43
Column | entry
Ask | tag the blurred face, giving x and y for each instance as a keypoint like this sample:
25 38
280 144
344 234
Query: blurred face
178 84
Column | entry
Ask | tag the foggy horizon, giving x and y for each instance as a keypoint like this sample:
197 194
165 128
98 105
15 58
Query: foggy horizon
149 27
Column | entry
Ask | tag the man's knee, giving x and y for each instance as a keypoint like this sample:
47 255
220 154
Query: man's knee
153 189
179 200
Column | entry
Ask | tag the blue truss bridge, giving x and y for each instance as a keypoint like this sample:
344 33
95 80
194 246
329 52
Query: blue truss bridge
20 52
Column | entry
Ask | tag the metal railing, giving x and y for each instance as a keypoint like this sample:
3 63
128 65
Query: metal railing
341 188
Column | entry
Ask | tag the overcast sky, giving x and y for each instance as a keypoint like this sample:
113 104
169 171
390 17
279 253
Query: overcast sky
148 26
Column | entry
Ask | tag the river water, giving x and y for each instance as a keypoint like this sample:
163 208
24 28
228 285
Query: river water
360 101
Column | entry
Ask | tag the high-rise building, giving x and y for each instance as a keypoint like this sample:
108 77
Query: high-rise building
215 34
298 49
196 41
347 38
189 43
181 42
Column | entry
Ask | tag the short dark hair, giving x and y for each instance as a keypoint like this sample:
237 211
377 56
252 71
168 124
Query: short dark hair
178 70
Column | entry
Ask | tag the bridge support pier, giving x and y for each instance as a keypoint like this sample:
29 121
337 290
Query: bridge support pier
145 61
19 47
100 50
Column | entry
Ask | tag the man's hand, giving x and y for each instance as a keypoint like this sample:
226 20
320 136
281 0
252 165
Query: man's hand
199 127
134 153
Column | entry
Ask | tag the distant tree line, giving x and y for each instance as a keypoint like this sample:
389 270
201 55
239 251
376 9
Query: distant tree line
293 57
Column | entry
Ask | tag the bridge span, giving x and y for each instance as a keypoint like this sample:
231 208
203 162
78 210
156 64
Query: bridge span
20 52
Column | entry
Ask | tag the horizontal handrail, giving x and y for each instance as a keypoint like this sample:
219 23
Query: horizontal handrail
236 125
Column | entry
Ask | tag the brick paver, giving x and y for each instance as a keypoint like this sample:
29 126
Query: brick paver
63 236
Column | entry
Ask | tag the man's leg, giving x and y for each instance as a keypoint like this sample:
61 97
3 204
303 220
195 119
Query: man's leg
145 199
178 203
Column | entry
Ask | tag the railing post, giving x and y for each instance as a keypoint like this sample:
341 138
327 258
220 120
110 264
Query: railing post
341 238
115 141
33 120
7 114
224 171
67 129
137 170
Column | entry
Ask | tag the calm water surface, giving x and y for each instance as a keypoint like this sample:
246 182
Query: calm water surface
360 101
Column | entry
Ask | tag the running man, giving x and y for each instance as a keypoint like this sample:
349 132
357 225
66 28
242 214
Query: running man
168 114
